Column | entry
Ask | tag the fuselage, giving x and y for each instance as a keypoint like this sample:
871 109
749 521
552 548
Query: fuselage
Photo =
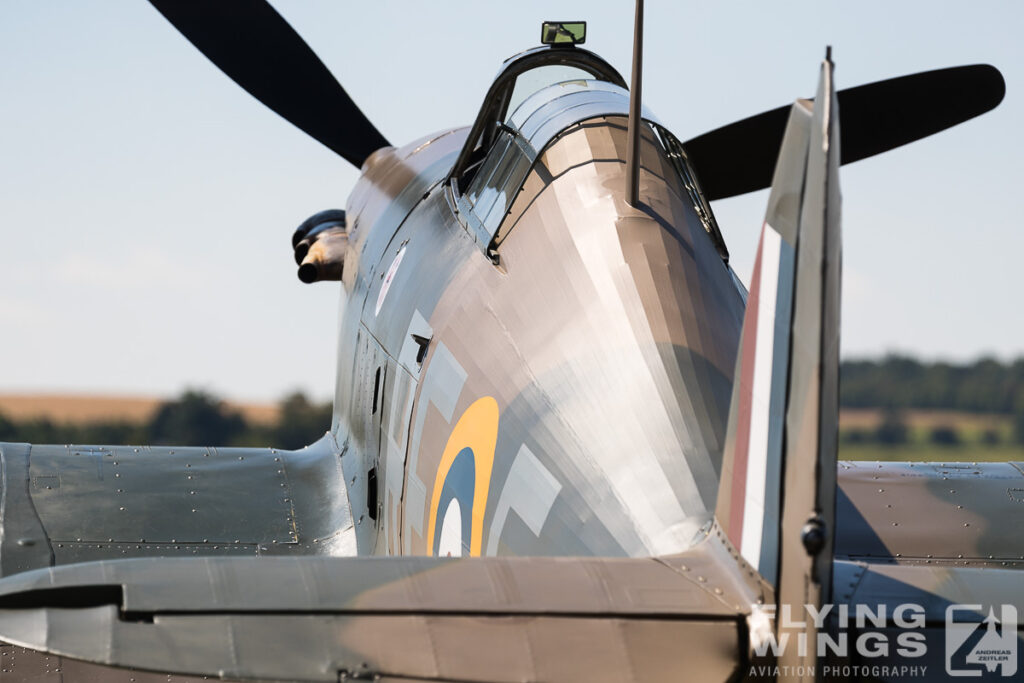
559 387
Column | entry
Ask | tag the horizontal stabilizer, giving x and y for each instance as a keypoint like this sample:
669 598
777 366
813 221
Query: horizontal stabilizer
330 619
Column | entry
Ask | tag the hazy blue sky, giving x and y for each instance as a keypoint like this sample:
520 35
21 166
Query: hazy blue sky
146 202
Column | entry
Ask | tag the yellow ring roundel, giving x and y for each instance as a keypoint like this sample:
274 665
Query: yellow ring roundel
471 444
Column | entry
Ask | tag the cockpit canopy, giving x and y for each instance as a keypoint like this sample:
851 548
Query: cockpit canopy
520 77
536 96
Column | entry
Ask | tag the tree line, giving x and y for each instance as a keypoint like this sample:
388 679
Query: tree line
901 382
894 383
195 418
897 383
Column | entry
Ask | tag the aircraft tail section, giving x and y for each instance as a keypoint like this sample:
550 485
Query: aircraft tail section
776 500
748 506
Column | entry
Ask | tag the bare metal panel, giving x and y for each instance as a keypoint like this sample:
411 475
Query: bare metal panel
24 543
931 512
65 504
68 553
163 495
19 664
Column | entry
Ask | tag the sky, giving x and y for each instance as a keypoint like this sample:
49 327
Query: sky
147 202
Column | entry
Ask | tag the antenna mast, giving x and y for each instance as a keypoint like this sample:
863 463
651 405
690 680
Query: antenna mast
633 134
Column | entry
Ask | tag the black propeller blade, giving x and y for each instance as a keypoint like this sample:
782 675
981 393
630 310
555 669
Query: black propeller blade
250 42
874 118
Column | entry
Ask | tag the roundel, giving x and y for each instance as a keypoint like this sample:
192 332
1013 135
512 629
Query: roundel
463 478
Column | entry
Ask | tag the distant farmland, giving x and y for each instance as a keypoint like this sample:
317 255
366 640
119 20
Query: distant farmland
931 435
82 409
969 437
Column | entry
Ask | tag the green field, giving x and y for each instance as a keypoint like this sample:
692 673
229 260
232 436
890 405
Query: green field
974 434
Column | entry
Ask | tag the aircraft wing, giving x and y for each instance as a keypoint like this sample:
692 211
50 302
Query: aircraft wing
65 504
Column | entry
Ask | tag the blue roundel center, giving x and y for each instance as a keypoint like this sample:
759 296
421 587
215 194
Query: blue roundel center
459 484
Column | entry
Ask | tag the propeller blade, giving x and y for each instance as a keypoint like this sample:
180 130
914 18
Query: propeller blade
877 117
251 43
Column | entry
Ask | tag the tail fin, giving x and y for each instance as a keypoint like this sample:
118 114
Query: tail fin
776 500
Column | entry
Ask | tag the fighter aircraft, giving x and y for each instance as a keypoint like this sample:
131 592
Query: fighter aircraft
567 443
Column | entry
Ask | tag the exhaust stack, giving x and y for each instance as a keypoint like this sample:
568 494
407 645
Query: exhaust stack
325 258
319 245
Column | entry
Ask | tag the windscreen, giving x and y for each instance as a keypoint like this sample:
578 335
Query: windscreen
533 80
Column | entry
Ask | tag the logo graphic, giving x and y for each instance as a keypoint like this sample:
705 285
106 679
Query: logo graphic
463 479
975 646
